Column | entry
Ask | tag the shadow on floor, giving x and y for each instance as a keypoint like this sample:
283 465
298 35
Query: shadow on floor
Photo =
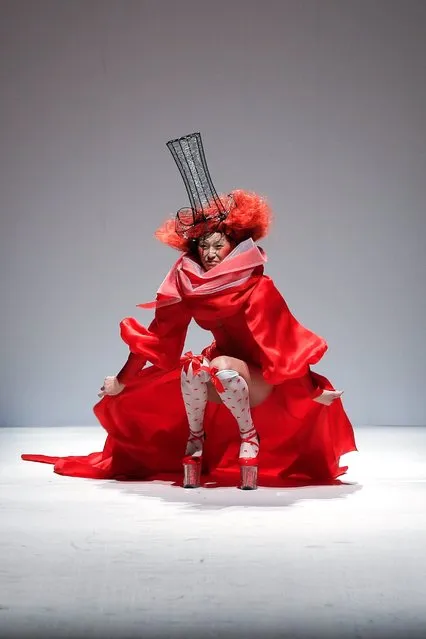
204 498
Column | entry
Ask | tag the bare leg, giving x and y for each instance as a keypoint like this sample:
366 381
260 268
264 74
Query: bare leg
258 388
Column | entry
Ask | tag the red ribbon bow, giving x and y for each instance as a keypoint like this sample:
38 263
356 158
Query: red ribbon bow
198 366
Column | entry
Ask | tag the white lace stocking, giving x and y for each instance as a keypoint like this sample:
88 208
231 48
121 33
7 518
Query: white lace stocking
194 393
235 396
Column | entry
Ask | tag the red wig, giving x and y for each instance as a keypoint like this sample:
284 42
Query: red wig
250 216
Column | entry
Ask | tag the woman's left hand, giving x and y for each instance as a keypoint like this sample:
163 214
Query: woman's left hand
111 386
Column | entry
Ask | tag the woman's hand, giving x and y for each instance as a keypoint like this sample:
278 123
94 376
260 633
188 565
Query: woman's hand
328 397
111 387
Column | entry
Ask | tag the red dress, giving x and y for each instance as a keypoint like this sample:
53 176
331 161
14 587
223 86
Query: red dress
146 423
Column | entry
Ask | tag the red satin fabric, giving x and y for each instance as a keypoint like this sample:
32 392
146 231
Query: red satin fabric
187 277
146 423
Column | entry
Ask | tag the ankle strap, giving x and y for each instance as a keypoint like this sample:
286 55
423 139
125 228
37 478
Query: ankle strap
246 437
193 437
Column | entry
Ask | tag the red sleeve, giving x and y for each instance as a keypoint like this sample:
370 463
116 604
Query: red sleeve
161 343
287 348
130 369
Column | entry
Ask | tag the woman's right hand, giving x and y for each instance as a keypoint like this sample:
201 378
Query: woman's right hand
111 386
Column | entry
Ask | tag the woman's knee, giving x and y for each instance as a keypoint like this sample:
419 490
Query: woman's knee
224 362
258 388
221 362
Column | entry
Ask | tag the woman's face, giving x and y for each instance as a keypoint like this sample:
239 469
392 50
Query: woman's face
213 248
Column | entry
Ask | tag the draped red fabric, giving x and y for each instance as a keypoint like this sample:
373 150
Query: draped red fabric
146 424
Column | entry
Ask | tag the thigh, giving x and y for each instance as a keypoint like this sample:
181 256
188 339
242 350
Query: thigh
258 388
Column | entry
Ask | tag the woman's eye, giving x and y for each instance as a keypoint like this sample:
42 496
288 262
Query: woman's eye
204 247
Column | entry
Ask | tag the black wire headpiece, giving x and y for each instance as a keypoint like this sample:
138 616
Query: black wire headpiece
207 211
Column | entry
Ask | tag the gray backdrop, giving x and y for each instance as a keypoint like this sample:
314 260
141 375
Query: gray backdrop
319 104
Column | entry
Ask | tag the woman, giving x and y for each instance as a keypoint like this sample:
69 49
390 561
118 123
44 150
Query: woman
250 401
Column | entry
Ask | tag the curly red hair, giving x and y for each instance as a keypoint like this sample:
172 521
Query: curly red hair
250 216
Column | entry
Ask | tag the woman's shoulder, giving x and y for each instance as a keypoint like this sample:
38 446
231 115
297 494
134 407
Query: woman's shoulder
264 281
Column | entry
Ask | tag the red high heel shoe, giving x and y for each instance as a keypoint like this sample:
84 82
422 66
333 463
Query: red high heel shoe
249 465
192 465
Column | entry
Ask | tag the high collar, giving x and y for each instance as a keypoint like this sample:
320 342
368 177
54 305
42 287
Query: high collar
188 278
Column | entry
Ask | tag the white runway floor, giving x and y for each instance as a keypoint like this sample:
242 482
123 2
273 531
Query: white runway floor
89 559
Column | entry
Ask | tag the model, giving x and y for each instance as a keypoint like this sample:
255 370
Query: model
248 409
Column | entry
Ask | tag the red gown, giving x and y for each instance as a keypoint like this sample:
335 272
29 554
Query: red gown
146 423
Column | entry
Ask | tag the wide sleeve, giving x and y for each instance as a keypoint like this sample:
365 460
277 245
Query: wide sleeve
131 368
160 344
287 349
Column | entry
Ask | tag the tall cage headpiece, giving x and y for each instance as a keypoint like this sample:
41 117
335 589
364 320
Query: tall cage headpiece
207 211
